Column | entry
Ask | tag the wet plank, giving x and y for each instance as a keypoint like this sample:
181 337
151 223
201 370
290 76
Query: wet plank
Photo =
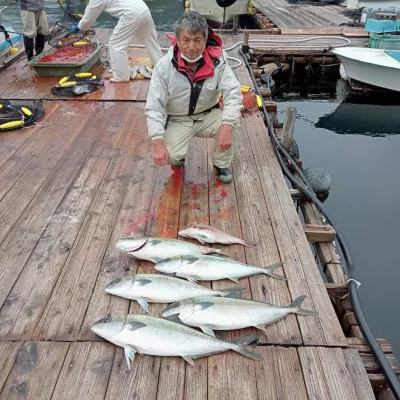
279 375
85 371
29 297
67 306
8 353
326 374
36 363
25 209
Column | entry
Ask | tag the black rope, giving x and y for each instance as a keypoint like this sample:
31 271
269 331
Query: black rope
351 283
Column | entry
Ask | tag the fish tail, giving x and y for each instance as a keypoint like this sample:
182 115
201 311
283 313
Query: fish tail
270 271
233 292
301 311
245 341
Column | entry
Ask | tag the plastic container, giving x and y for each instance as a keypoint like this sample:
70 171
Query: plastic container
65 68
386 42
381 26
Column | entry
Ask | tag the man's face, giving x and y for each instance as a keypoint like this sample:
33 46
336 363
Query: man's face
191 44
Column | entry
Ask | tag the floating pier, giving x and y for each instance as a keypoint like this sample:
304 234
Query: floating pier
83 178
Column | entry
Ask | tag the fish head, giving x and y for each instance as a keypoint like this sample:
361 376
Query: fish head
198 233
169 265
178 308
120 285
109 327
131 244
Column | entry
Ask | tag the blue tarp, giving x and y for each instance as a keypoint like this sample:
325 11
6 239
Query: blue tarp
394 53
14 39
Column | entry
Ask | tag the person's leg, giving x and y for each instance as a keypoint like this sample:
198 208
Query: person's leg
146 33
43 29
209 128
177 139
29 23
118 46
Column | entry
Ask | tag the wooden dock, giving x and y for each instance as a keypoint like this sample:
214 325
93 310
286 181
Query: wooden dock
82 179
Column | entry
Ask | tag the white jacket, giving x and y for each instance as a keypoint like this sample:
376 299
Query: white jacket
170 91
116 8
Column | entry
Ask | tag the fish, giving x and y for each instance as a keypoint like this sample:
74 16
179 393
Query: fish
156 249
215 313
144 334
211 268
133 72
151 288
208 234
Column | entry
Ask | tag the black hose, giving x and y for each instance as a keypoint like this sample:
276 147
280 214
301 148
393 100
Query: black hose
351 283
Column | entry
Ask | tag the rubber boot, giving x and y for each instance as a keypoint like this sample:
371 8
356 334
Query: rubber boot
39 44
28 43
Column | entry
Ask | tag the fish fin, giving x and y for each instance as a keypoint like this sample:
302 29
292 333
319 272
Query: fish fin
261 328
191 279
129 355
155 260
301 311
239 346
175 318
139 246
245 341
203 305
201 240
208 331
144 304
233 292
234 280
188 360
270 271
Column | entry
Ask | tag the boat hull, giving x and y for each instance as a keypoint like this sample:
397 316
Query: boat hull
380 70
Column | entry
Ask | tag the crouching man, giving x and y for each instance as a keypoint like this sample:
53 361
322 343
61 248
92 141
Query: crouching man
183 99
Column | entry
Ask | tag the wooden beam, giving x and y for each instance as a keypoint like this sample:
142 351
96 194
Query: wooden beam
319 233
288 127
362 346
336 290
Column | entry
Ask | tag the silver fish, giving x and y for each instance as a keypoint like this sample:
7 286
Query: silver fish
208 234
210 268
133 72
151 288
159 337
156 249
145 71
209 313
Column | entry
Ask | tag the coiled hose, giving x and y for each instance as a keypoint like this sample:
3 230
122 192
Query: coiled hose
351 283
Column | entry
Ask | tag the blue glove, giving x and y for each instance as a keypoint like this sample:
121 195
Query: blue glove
73 29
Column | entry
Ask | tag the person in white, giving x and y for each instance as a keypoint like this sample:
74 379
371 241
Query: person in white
183 98
135 21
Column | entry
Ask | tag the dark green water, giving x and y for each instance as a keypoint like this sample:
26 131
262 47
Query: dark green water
164 13
359 145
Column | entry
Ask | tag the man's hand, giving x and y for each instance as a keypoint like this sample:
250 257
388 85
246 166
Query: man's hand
160 152
225 138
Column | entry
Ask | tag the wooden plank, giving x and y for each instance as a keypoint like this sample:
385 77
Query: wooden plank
67 306
27 300
362 346
372 366
85 372
319 233
38 192
336 290
326 374
8 353
299 265
13 141
279 375
256 225
359 375
35 371
137 177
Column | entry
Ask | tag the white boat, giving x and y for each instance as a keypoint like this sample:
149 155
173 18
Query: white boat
371 66
215 14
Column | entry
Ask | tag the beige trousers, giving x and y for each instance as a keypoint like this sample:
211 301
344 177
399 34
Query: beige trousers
180 130
144 31
35 23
